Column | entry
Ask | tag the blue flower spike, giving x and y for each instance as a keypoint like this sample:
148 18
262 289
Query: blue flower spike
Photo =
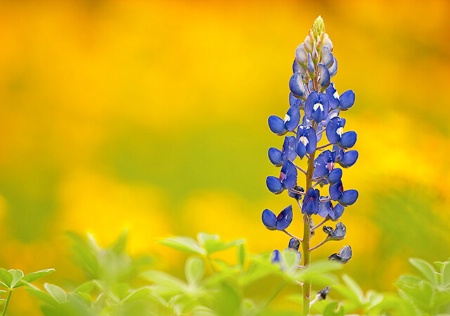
316 151
280 222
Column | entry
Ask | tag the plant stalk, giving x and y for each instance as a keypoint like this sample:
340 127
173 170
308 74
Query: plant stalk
307 237
7 302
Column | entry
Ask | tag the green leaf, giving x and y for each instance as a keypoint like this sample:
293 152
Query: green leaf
426 269
119 246
445 273
43 296
290 259
86 287
185 244
418 291
17 276
354 287
333 310
194 270
56 292
212 243
5 278
442 297
33 276
165 279
241 255
143 293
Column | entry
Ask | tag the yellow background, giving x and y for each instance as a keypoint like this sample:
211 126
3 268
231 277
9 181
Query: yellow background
152 116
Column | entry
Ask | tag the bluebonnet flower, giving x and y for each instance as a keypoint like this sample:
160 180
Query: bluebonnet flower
280 222
277 157
344 255
290 122
286 180
310 204
345 198
294 243
324 164
307 141
313 130
316 106
335 134
327 210
335 234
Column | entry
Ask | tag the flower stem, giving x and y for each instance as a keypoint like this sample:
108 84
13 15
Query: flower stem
7 302
307 237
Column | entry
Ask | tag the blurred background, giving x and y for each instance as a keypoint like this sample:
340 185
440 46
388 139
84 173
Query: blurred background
151 116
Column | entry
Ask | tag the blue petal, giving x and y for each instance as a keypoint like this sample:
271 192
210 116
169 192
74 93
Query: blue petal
312 99
293 101
336 190
276 125
294 243
345 254
325 209
337 212
300 54
347 140
295 67
349 158
339 232
275 157
346 100
274 185
300 150
296 85
276 257
324 75
335 175
327 56
292 118
348 197
284 219
310 65
320 108
332 100
331 131
288 175
269 219
312 140
310 204
333 68
289 146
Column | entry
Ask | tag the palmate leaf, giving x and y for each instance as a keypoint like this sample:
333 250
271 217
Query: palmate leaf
212 243
416 290
14 278
194 270
56 292
426 269
185 244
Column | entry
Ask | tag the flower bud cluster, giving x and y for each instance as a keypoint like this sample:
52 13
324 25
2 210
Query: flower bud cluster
314 135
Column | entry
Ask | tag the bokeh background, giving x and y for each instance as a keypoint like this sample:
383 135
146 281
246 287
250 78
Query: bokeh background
152 116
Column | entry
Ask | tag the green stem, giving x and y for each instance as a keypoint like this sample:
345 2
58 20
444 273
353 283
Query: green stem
307 237
7 302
